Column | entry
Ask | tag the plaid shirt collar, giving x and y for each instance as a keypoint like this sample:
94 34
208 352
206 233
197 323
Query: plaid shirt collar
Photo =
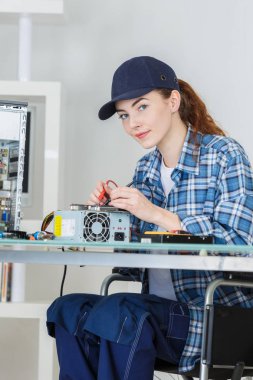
188 161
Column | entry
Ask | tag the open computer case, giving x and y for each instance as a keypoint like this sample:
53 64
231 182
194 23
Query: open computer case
13 117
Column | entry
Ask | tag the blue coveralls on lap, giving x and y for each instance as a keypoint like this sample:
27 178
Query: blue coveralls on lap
116 337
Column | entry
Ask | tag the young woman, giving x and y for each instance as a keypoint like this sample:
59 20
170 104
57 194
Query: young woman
196 180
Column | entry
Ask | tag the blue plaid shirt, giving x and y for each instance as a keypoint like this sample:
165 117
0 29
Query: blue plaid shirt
212 194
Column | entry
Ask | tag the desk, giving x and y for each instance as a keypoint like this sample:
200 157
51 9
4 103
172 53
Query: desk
198 257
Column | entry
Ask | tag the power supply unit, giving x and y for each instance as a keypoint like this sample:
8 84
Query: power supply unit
92 224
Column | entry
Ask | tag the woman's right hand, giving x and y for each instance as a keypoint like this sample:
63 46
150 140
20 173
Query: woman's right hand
95 198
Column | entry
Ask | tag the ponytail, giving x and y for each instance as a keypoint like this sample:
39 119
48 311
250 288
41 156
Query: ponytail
193 111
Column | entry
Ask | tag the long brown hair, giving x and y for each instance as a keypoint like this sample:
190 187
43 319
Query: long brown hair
193 111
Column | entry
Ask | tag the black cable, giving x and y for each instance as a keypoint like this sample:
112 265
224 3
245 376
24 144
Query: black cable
63 277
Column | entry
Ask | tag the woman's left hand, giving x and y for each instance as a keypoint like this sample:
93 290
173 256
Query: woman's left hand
133 201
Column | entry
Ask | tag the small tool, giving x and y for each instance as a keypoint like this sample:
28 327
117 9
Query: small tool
109 199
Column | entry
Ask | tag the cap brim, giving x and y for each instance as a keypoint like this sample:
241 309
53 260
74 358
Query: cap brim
108 109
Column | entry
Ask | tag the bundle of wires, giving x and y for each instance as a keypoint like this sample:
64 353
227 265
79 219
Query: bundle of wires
46 221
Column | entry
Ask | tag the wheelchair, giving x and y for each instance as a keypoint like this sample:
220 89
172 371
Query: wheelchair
227 338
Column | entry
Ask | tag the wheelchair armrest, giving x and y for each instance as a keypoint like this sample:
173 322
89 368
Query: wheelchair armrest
111 278
246 283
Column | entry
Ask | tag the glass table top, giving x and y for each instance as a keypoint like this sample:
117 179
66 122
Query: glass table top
213 249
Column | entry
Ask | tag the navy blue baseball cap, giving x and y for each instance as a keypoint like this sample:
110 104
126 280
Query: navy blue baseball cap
137 77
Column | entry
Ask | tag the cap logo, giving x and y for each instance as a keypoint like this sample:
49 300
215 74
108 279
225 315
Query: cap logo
163 77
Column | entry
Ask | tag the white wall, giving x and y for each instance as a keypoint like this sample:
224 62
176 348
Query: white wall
208 43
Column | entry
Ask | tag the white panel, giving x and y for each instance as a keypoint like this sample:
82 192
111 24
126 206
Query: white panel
10 125
32 6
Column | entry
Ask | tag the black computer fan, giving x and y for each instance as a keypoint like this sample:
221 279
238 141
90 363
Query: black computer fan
96 226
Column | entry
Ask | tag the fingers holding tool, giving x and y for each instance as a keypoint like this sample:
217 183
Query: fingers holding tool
101 194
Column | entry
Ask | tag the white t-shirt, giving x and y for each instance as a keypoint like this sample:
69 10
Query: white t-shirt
160 282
